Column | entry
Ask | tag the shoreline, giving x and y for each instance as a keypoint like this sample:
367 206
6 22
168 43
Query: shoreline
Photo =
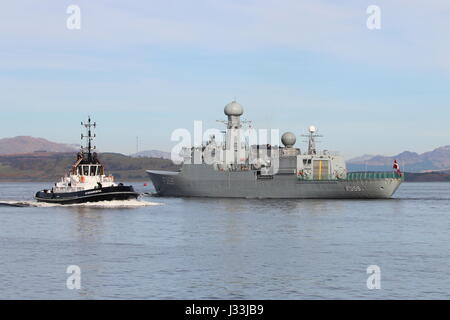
149 181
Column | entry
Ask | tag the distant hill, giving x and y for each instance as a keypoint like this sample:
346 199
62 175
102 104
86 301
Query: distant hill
51 166
151 154
437 176
436 160
24 144
362 158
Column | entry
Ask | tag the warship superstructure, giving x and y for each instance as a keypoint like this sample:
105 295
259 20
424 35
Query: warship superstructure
237 169
86 181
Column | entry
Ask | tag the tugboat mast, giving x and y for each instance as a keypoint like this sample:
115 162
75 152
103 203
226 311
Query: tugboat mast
89 137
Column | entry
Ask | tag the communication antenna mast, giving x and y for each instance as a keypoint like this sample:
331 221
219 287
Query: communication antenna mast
312 139
137 144
248 123
89 138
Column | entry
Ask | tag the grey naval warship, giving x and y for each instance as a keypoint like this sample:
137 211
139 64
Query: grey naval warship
236 169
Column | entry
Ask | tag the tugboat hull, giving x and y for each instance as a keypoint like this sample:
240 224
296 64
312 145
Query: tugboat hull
92 195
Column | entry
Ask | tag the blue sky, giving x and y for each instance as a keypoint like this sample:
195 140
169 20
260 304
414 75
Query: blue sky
147 68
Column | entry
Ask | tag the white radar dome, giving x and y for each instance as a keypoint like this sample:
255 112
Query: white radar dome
288 139
233 109
312 129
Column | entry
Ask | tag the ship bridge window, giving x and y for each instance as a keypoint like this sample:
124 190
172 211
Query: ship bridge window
85 170
94 170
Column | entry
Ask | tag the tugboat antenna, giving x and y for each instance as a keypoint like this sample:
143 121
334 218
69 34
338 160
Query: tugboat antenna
90 137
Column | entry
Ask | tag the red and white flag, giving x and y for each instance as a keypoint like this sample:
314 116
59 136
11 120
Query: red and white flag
397 167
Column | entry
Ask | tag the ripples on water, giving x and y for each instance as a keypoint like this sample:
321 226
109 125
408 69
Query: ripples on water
101 204
169 248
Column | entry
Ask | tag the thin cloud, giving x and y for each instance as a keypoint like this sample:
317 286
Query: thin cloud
413 33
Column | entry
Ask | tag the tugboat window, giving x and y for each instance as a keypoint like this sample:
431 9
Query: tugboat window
86 170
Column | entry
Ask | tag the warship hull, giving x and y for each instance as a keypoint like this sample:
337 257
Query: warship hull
203 181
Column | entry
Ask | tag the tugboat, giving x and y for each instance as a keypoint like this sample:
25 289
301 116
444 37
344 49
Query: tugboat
86 181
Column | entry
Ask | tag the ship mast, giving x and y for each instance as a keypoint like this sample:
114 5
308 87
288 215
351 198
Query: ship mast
235 152
89 138
312 140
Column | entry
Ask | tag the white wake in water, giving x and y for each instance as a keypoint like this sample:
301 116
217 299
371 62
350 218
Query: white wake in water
100 204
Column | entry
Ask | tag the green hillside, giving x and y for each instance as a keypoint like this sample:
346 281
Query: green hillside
51 166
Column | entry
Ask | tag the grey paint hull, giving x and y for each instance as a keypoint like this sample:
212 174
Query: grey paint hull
203 181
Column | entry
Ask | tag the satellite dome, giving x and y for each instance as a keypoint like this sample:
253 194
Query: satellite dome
233 109
312 129
288 139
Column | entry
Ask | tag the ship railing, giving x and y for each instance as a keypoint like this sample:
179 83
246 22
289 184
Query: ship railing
108 179
374 175
67 189
354 176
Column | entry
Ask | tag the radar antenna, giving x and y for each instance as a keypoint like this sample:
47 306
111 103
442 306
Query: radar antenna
89 139
312 139
248 123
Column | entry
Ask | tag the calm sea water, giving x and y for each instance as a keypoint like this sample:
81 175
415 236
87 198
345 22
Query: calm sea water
168 248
